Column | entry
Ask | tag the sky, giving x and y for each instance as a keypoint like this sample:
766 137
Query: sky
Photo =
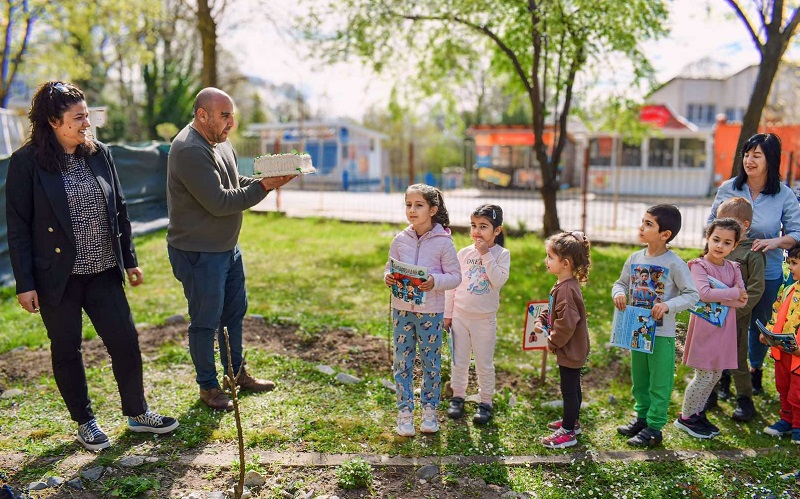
698 29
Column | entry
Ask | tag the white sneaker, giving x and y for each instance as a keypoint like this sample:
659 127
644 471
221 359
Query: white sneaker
405 423
430 423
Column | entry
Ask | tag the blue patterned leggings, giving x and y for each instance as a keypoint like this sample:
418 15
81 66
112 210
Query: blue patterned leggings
412 329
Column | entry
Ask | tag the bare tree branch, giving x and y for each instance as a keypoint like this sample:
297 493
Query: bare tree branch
740 13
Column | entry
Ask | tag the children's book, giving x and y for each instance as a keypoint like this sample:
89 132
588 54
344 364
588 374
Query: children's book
633 328
646 286
534 340
713 312
786 340
408 278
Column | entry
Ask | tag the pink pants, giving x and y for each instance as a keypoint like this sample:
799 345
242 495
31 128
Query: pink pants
477 337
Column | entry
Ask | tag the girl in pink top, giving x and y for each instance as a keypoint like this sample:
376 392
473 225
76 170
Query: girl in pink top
710 348
418 320
470 311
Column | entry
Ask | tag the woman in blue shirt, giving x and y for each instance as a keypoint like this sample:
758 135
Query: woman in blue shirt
775 227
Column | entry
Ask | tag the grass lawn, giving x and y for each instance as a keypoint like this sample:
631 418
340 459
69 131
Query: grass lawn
321 275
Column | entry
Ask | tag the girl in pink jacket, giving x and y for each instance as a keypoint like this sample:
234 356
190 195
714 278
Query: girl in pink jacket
418 303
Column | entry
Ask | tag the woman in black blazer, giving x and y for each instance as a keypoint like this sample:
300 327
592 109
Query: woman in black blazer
70 243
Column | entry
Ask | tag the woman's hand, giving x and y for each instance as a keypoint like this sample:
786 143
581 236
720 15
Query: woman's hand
785 242
29 301
135 276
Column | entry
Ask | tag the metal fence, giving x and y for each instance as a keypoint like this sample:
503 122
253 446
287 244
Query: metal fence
604 217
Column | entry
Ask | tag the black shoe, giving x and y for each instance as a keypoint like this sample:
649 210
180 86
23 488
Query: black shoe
483 414
723 390
711 402
745 410
456 408
694 426
633 427
648 437
711 426
755 378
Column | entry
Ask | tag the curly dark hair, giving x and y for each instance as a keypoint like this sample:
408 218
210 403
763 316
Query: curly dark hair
573 246
48 106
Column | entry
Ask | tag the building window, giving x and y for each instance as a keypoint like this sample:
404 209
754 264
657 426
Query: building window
631 155
600 151
701 113
692 153
661 153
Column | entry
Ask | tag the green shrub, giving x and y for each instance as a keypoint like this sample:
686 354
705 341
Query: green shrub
354 474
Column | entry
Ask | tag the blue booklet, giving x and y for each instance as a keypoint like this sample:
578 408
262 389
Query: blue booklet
713 312
633 328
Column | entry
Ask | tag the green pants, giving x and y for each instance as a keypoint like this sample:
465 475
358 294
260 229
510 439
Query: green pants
653 376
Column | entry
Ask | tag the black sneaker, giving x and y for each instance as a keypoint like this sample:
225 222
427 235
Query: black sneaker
711 402
694 426
723 389
755 378
711 426
456 408
92 437
483 414
745 410
648 437
151 422
633 427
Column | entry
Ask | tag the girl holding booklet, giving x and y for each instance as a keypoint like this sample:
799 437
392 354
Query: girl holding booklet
710 347
419 323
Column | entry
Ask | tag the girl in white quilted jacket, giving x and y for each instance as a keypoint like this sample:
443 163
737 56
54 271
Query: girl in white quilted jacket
418 316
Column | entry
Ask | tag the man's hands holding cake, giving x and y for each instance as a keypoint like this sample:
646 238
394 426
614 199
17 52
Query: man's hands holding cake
270 183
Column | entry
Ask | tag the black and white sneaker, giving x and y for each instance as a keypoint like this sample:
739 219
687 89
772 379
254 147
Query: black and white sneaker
694 426
151 422
92 437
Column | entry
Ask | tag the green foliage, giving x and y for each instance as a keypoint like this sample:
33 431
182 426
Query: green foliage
130 486
354 474
253 465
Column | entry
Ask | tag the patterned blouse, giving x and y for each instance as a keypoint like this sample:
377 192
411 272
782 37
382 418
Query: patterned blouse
88 212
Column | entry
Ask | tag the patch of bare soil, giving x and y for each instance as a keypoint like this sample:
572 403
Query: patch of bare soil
340 348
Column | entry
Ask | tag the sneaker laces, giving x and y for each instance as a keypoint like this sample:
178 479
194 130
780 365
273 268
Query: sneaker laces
405 418
149 418
91 431
428 414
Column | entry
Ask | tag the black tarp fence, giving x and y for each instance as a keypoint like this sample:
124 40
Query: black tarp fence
142 172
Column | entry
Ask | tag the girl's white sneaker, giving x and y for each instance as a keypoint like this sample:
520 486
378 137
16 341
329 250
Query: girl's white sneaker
430 423
405 423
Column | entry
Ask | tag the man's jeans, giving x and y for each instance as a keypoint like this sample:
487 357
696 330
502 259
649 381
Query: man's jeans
214 287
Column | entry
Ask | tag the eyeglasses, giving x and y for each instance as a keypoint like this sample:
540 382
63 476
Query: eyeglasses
58 86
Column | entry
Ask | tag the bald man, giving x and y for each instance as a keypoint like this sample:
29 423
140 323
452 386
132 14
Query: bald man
205 198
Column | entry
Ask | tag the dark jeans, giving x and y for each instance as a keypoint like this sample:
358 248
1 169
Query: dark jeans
103 298
763 312
215 290
572 396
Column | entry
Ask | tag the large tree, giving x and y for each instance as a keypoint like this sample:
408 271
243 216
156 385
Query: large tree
542 45
771 27
17 22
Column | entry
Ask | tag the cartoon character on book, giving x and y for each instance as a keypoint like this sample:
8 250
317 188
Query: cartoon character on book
635 339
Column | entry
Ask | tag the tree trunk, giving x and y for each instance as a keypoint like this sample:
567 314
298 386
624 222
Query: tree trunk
752 117
207 27
550 221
